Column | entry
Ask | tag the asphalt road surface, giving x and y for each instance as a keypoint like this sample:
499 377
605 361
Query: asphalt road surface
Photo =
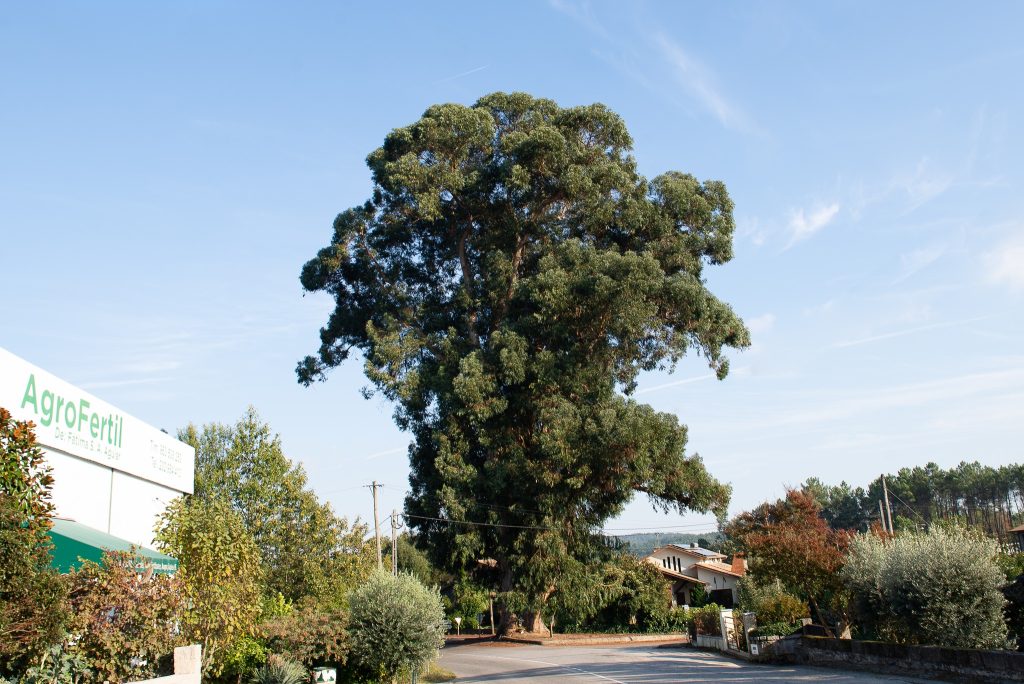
628 664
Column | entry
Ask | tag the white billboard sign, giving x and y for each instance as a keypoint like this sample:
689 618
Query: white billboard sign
73 421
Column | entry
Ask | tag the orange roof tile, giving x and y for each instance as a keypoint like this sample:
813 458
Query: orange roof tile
722 568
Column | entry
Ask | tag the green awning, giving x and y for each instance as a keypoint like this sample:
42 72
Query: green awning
73 542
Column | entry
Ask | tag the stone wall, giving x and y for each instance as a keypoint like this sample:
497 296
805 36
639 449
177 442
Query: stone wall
928 661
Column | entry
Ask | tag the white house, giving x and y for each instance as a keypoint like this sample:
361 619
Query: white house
689 566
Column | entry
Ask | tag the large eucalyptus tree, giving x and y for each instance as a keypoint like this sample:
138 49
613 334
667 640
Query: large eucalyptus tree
507 281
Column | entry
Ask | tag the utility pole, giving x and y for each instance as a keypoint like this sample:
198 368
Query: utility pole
376 526
888 511
394 542
881 515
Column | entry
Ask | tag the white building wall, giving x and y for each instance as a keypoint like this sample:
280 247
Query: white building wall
81 489
715 580
136 506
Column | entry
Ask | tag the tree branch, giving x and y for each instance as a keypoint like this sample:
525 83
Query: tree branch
467 280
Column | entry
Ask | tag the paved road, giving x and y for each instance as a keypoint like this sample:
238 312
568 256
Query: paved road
507 663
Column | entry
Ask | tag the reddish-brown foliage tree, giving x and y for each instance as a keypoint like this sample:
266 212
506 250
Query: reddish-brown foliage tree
790 541
125 617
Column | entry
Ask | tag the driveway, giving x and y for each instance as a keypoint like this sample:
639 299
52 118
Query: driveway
508 663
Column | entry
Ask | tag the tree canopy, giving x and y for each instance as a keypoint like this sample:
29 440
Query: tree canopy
306 550
219 572
505 284
985 497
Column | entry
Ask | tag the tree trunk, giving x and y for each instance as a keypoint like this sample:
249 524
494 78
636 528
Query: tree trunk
506 618
824 623
533 622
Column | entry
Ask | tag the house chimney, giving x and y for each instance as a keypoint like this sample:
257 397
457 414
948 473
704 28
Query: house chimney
739 564
693 545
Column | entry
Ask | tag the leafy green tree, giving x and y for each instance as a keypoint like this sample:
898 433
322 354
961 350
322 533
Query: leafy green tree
467 601
698 596
306 549
125 623
33 605
843 506
395 624
413 560
940 588
220 573
507 281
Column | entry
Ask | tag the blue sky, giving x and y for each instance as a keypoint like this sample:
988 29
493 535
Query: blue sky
167 168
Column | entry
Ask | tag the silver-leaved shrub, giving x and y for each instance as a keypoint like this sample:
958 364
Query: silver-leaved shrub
940 587
396 624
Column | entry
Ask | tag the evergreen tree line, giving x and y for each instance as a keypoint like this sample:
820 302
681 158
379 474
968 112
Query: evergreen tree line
982 497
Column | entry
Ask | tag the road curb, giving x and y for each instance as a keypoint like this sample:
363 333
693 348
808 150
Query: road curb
596 639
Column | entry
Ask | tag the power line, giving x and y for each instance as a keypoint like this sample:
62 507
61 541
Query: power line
895 496
546 528
481 524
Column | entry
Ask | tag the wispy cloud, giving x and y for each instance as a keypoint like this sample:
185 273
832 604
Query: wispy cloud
582 13
636 48
923 184
464 73
676 383
909 331
701 84
762 323
1005 263
108 384
918 260
803 225
398 450
819 309
988 384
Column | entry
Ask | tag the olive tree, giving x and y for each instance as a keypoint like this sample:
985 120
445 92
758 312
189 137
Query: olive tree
940 587
395 624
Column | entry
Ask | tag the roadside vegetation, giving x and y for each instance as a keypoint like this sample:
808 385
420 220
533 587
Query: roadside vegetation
947 585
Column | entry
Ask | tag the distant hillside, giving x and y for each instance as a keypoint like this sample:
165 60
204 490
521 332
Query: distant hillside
642 545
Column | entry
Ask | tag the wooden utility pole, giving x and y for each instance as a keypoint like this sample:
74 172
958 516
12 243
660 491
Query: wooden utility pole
888 511
394 542
376 526
881 515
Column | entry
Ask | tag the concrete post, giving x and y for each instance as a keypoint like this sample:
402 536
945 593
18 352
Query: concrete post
188 660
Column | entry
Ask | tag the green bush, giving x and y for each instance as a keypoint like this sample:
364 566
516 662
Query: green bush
939 588
698 596
243 658
1012 565
774 629
707 619
467 601
309 635
395 623
278 670
770 602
